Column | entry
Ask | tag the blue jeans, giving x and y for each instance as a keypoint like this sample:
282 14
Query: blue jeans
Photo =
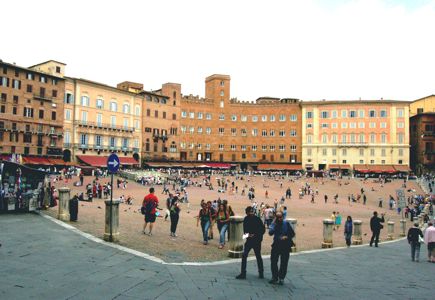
205 226
222 227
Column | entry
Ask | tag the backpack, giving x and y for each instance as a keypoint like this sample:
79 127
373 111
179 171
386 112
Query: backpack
149 205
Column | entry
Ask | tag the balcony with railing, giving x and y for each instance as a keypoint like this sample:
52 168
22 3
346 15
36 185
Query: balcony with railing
105 126
97 147
353 144
43 97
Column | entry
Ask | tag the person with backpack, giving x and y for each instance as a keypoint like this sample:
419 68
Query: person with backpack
174 214
204 216
222 219
283 235
149 206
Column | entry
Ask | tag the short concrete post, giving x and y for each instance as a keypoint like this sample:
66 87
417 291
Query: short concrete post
64 196
236 237
402 227
327 233
357 232
390 230
293 223
115 221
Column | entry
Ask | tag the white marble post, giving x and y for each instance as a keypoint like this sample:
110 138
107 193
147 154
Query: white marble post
357 232
115 221
64 196
390 230
327 233
293 223
236 237
402 227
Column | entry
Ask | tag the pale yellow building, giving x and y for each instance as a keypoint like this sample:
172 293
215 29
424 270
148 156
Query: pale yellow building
342 134
99 120
422 105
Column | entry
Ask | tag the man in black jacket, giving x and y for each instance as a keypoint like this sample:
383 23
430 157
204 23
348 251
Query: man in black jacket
283 235
254 227
376 226
413 234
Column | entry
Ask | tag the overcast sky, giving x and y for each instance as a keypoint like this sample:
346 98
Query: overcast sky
307 49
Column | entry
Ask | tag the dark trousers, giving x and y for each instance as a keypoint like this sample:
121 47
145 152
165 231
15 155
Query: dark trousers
174 222
256 245
276 253
375 237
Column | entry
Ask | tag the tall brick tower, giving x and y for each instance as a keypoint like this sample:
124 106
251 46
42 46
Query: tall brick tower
217 87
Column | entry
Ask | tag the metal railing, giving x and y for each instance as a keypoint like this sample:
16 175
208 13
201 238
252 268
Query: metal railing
103 126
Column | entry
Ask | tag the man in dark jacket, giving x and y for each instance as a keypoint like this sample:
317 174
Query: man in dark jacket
376 226
413 234
283 235
254 227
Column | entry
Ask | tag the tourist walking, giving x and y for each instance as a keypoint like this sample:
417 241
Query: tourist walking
414 235
174 215
337 221
283 235
429 240
222 219
253 227
376 226
150 204
204 216
348 229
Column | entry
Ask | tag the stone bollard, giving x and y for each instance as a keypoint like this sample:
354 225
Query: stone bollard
402 227
64 196
115 221
236 237
390 230
327 233
357 232
293 223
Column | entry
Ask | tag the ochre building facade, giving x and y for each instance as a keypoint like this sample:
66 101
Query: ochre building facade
31 109
221 129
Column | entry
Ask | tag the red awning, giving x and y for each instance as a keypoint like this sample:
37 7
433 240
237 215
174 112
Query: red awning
402 168
36 161
101 161
128 161
57 161
218 165
361 168
294 167
381 169
93 160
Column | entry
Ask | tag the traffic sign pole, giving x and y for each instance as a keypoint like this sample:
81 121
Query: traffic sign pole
111 207
112 166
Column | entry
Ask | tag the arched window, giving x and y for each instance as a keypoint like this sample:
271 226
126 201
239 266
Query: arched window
126 108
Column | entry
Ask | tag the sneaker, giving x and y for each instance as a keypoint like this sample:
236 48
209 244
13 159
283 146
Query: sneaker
241 276
174 234
273 281
150 234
